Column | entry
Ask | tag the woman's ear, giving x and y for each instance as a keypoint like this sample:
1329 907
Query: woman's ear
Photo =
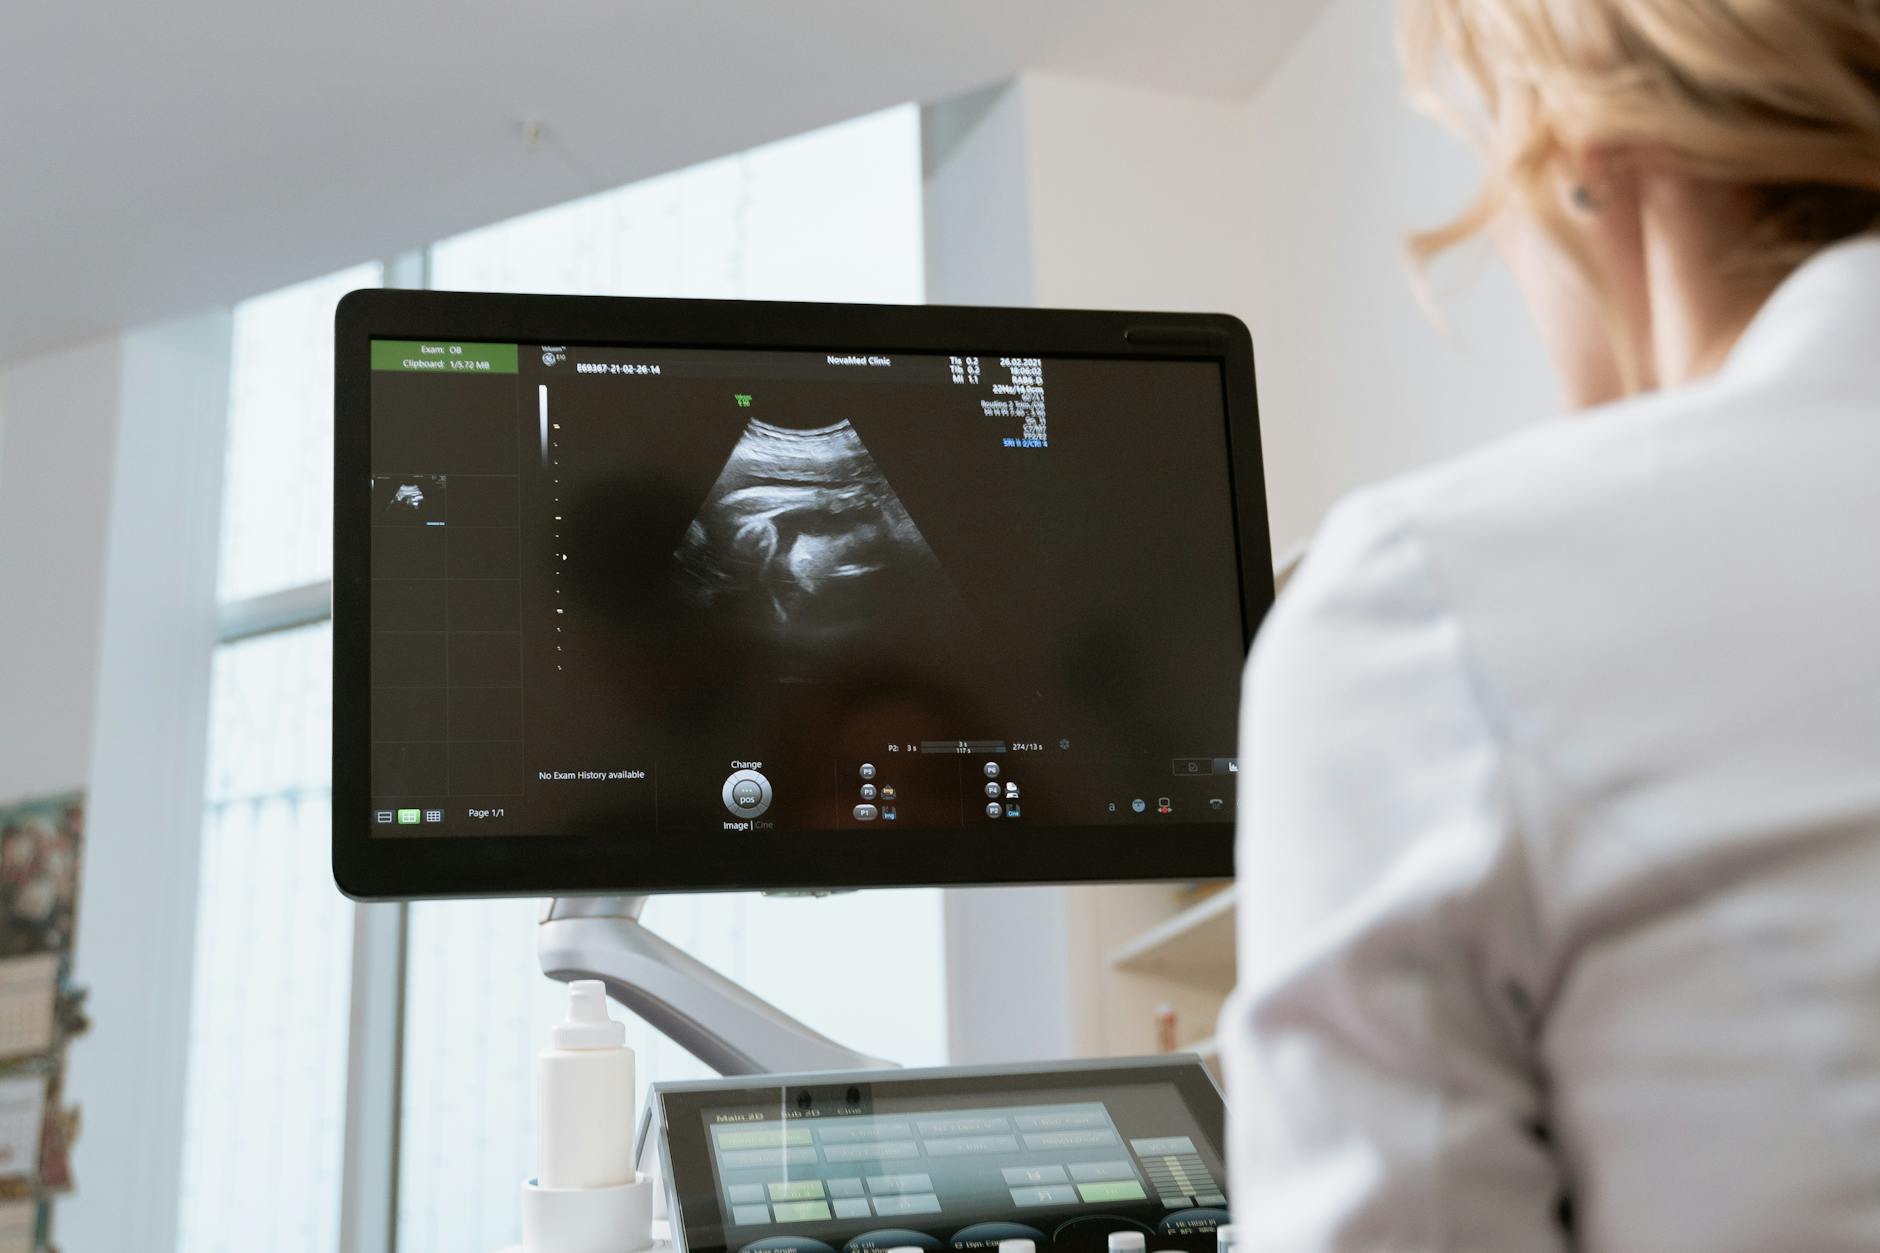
1598 180
1584 191
1602 189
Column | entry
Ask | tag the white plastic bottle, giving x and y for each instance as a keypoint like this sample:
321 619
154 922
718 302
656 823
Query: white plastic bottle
586 1096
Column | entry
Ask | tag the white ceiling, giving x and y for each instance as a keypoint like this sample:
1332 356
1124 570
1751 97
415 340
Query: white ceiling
164 157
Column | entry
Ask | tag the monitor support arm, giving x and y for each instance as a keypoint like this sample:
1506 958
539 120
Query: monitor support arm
717 1021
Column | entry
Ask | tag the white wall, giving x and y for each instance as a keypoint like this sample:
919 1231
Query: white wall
55 516
1058 192
61 433
108 498
976 204
1139 198
137 906
1356 383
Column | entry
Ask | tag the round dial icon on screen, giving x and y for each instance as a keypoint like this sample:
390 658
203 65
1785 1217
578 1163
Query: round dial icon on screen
747 794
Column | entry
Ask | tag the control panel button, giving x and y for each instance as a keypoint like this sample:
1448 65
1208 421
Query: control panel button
992 770
992 791
866 813
747 794
868 791
994 809
868 770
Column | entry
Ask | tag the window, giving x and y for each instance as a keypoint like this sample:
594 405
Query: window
833 215
268 1013
277 503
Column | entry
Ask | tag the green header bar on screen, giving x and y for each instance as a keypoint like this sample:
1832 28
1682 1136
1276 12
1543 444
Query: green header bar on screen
423 356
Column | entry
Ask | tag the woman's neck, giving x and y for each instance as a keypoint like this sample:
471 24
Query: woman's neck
1702 296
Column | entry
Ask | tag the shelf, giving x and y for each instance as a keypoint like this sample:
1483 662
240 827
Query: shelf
1195 947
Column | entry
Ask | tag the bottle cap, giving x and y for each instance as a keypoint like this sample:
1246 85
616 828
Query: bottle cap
1127 1242
587 1025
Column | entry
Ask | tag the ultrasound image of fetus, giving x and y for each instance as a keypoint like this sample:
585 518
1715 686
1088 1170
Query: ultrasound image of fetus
803 551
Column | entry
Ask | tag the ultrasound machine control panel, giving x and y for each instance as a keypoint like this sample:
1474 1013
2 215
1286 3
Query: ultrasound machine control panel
948 1159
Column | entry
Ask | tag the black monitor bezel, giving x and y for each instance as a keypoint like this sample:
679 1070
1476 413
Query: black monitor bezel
369 868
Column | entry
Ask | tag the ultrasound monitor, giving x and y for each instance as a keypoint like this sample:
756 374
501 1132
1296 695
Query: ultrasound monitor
637 595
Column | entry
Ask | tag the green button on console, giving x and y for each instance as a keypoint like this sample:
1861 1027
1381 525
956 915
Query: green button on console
765 1138
1101 1193
797 1190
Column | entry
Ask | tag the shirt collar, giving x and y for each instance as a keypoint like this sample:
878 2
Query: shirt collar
1826 314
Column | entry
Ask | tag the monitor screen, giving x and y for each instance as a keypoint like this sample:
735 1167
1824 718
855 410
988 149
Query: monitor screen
666 597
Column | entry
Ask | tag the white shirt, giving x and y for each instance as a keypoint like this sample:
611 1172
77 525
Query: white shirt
1559 855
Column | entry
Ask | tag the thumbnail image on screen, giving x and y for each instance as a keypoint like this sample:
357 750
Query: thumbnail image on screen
619 590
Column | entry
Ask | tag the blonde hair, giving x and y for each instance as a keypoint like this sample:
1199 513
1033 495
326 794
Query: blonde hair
1779 98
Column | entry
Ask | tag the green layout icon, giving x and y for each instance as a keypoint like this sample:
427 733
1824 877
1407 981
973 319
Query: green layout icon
407 817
